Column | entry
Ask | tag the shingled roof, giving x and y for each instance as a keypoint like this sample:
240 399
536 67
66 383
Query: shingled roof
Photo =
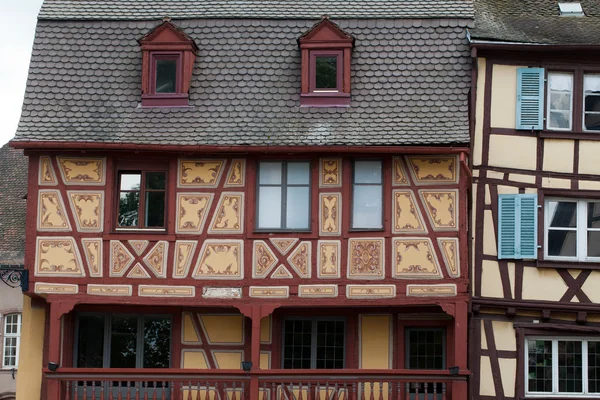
535 21
13 188
410 77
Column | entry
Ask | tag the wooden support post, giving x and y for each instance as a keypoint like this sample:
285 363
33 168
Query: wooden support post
461 331
459 390
255 352
57 310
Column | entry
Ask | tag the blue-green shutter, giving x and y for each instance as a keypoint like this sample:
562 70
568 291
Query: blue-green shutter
530 98
517 226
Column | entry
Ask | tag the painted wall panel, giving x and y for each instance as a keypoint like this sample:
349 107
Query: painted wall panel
29 378
375 341
542 284
491 282
504 335
558 155
508 368
479 112
588 157
486 378
504 96
522 151
223 328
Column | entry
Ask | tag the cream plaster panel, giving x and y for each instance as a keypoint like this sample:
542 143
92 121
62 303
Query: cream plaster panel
589 185
194 359
508 368
479 111
489 234
588 157
484 345
490 279
522 178
58 256
504 335
486 379
591 285
228 359
574 272
511 277
531 190
88 210
507 189
513 151
495 175
476 173
558 155
504 96
556 183
473 223
488 196
542 284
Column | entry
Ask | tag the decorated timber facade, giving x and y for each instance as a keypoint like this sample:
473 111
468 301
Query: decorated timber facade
536 311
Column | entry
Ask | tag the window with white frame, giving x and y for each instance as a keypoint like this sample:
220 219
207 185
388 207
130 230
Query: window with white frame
572 229
367 195
560 100
12 339
562 366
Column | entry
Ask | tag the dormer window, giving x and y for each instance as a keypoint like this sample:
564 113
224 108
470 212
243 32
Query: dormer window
326 55
168 57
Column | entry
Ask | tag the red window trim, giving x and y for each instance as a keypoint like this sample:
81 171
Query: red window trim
177 99
339 55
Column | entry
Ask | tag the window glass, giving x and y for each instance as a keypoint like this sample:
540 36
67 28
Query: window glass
367 191
297 210
90 341
269 207
123 342
298 173
148 200
560 100
425 348
155 209
591 89
593 361
570 369
313 343
12 334
270 173
297 344
326 72
157 343
131 181
166 76
367 172
539 373
330 345
562 231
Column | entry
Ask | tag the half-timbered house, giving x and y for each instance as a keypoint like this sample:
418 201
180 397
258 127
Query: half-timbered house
536 200
247 200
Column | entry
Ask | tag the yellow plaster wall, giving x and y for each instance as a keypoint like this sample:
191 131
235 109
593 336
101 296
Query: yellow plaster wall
502 189
558 155
375 341
265 330
591 287
194 360
491 283
229 359
189 331
224 328
473 224
513 152
484 345
588 157
542 284
486 379
589 185
508 369
504 335
489 234
511 277
29 378
504 96
521 178
556 183
478 139
265 360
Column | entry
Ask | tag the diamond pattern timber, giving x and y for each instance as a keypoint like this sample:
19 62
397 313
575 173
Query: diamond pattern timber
184 251
52 215
281 273
220 259
92 249
263 259
301 259
156 259
236 177
120 259
47 176
138 246
284 245
138 272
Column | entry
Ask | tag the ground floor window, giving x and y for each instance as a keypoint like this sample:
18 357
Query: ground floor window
425 348
313 343
123 341
562 366
12 338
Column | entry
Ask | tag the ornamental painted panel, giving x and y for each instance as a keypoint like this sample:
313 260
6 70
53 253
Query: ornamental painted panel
370 291
281 273
229 215
138 246
442 208
109 290
46 176
449 249
366 258
87 208
399 177
270 292
434 170
182 257
431 290
156 259
406 214
263 259
284 245
58 256
92 249
52 215
301 259
200 173
82 171
330 172
55 288
220 259
329 259
192 211
317 291
138 272
330 214
120 259
166 291
414 258
236 177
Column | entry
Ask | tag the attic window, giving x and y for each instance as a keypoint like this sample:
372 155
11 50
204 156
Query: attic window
570 10
326 55
168 57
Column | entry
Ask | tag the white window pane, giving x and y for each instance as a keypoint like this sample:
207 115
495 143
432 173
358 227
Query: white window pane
269 207
298 173
297 208
570 368
562 214
560 82
367 172
562 243
367 207
270 173
559 120
539 373
591 83
131 181
560 101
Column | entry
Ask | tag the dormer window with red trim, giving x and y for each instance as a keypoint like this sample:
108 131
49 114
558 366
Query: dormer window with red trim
168 56
326 57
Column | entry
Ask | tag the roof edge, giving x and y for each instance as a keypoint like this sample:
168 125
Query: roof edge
536 47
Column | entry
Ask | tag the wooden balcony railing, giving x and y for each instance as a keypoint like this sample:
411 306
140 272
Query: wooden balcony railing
178 384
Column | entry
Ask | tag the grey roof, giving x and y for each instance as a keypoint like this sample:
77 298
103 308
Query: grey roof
282 9
410 83
535 21
13 188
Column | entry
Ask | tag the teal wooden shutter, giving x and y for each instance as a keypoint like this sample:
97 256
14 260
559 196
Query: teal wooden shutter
517 226
530 98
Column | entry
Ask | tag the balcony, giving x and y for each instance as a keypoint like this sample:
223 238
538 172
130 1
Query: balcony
180 384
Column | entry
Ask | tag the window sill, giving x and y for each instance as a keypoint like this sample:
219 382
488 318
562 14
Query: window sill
325 99
581 135
563 264
366 230
165 100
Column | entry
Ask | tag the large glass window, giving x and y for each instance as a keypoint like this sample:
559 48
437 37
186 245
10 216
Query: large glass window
142 199
560 101
425 348
572 229
313 343
367 192
283 195
562 366
591 102
12 339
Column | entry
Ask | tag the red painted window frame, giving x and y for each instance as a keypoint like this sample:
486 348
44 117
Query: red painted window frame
177 99
339 54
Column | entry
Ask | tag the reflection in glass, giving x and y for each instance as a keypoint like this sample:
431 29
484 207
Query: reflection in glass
570 369
562 243
593 244
593 367
297 208
157 342
166 76
591 87
539 370
298 173
367 207
90 341
367 172
123 340
155 180
562 214
155 209
426 348
129 203
326 72
131 181
560 100
269 207
270 173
